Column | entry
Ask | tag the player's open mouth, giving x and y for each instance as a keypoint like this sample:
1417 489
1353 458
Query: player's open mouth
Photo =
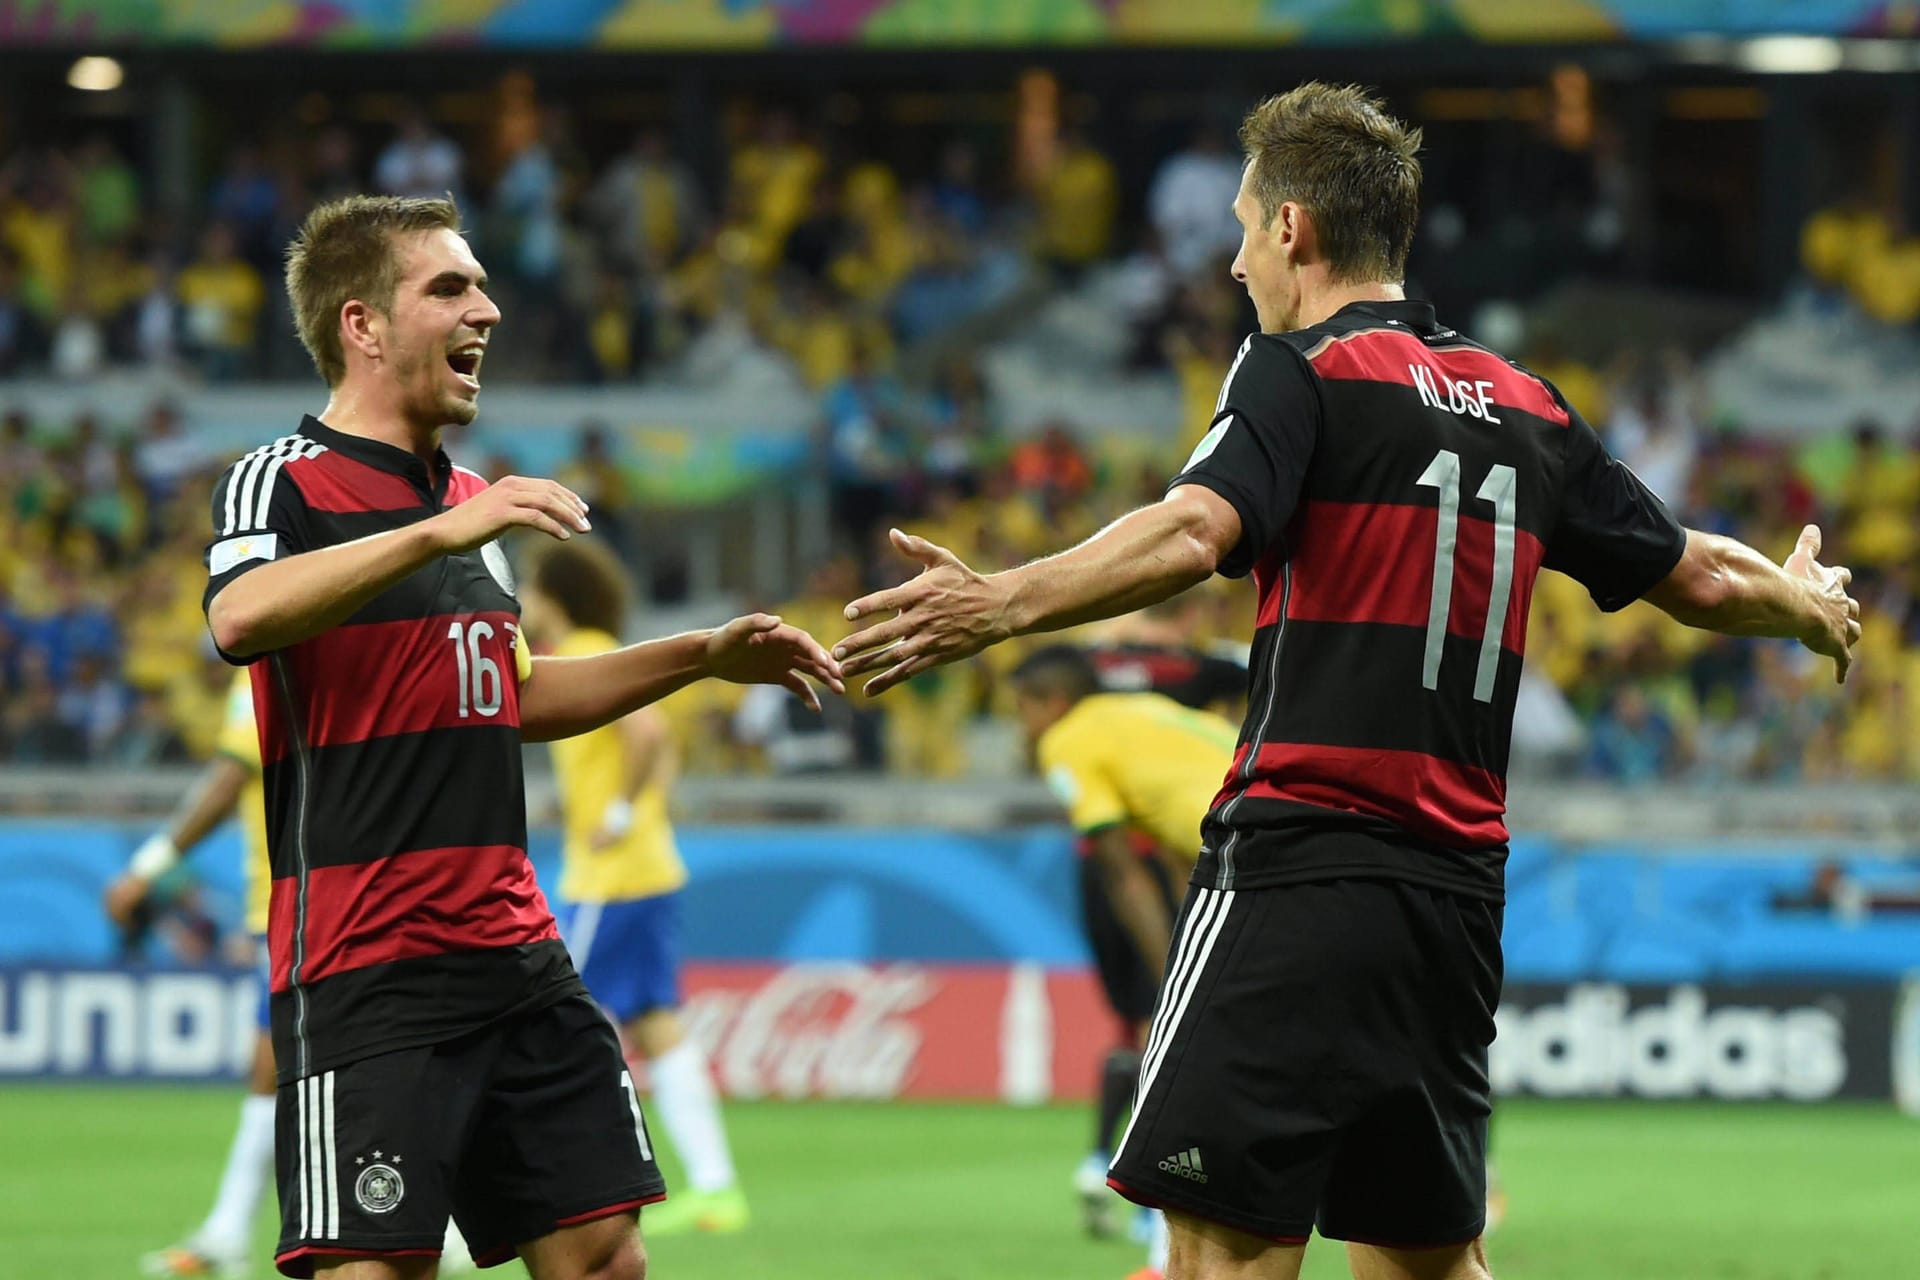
465 363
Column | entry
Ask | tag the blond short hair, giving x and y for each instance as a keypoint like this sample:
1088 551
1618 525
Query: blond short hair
1355 169
346 250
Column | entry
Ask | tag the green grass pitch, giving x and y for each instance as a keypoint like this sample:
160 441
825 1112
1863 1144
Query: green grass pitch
90 1177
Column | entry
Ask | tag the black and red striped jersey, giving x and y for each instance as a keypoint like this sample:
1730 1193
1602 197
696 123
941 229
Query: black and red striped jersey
404 909
1192 677
1399 488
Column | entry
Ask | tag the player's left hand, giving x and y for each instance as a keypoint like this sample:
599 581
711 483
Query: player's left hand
946 613
761 649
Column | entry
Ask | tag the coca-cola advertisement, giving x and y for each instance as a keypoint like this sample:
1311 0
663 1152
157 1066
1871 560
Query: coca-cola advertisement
1021 1033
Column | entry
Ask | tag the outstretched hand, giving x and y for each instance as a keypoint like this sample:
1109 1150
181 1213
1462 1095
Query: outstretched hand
946 613
761 649
1837 624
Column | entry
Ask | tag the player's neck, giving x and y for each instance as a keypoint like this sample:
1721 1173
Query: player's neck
355 411
1320 299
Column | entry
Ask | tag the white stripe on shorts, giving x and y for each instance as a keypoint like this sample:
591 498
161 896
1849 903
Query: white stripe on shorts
1204 922
315 1126
300 1150
333 1162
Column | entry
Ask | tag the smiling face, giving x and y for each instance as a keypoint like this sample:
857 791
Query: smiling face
433 340
1265 263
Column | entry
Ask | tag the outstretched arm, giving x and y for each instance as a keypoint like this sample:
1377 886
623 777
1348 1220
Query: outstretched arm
950 612
1724 585
568 696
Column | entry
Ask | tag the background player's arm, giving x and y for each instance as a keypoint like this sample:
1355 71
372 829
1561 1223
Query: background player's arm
1136 898
205 807
950 612
1724 585
568 696
283 602
645 748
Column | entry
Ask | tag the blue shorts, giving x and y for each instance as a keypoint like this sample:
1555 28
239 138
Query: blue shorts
628 953
263 965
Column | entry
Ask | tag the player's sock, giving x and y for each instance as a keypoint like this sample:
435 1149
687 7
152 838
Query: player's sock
690 1111
1117 1080
229 1228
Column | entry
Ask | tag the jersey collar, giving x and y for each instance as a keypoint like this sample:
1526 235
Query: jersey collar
380 455
1416 315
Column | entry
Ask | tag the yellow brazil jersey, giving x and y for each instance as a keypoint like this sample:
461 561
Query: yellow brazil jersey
591 771
240 741
1141 759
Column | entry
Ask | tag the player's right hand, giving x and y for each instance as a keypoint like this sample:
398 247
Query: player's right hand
124 897
1836 615
508 503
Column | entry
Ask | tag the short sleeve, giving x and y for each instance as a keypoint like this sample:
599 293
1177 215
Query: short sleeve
1614 535
258 517
1080 785
1255 453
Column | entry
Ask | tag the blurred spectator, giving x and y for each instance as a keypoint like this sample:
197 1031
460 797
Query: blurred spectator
866 443
646 206
148 738
956 194
155 315
107 190
1053 467
334 168
1079 200
222 296
165 454
247 199
93 702
1191 203
21 337
31 724
1632 742
420 162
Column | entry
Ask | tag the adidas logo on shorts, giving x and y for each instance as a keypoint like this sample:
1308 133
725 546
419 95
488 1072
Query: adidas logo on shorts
1185 1165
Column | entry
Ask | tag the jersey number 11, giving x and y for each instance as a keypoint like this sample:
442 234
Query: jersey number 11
1443 473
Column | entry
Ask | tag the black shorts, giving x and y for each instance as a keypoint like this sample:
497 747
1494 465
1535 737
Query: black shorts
525 1126
1124 975
1319 1058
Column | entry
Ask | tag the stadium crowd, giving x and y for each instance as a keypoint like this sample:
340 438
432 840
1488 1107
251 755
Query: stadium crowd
832 267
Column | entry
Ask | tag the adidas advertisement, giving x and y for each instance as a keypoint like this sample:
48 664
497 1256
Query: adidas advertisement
1800 1043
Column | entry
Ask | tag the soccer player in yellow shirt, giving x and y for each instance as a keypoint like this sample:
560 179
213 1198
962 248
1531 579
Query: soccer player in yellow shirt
1136 772
620 881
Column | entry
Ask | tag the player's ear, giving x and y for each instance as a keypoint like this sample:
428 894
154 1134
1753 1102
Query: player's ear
1293 227
361 328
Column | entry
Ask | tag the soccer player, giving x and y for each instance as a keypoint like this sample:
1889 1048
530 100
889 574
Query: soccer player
436 1051
620 886
230 785
1136 773
1319 1052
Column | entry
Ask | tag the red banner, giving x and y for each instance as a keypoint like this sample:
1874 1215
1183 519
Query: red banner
1018 1033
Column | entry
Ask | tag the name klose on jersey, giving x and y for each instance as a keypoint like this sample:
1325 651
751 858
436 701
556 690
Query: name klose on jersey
1469 399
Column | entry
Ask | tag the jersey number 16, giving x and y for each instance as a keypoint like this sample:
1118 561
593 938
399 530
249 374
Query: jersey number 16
480 689
1443 473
